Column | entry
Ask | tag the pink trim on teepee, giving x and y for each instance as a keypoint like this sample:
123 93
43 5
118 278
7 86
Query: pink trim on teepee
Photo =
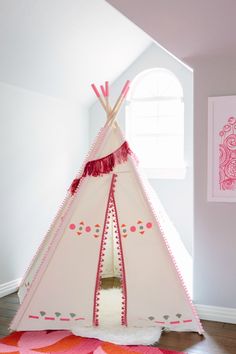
133 161
111 213
67 207
122 268
100 261
100 265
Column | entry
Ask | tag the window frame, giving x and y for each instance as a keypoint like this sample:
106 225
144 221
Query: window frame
177 171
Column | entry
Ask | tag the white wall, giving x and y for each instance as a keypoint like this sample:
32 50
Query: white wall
176 195
215 223
43 141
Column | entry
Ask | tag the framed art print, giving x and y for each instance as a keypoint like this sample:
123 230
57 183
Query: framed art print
222 149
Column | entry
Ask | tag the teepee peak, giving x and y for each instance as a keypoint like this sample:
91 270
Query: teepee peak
104 100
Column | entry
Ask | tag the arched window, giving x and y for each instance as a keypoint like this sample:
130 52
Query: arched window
155 123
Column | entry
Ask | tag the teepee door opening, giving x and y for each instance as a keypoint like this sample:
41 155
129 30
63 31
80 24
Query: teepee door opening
110 300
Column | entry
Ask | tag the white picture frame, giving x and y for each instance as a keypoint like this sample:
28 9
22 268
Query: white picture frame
222 149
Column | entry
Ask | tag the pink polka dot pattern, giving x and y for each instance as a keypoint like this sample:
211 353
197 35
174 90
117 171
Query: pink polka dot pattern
72 226
88 229
149 225
133 229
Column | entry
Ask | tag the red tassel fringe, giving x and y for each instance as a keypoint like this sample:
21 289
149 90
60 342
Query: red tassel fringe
74 185
103 165
107 163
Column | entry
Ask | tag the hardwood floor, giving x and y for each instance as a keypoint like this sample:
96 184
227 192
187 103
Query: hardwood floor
219 338
8 307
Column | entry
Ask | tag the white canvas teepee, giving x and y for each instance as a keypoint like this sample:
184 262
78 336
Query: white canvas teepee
107 212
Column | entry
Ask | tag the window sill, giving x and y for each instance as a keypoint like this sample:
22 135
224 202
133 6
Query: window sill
166 172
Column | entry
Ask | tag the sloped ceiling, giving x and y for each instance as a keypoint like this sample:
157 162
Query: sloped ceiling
59 47
187 28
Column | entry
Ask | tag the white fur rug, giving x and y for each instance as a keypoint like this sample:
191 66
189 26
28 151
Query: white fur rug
110 329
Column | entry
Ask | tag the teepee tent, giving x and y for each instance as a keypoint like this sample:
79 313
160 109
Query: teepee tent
106 226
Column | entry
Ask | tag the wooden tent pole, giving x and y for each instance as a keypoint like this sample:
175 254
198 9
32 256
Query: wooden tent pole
99 96
119 102
111 112
105 92
122 95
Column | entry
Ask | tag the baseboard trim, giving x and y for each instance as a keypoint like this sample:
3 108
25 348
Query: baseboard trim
10 287
215 313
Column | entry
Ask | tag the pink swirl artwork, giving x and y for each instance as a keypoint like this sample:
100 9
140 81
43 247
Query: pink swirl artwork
227 155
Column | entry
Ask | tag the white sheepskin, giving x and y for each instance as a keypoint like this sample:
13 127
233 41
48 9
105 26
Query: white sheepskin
110 329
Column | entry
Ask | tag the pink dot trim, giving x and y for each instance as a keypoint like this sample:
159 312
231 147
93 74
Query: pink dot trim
72 226
88 229
149 225
133 229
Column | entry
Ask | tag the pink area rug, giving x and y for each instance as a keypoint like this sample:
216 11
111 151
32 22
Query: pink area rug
63 342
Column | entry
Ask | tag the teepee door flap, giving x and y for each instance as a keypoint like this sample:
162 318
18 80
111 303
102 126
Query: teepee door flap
156 294
62 294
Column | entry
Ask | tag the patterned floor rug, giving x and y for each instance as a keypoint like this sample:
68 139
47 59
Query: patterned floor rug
63 342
